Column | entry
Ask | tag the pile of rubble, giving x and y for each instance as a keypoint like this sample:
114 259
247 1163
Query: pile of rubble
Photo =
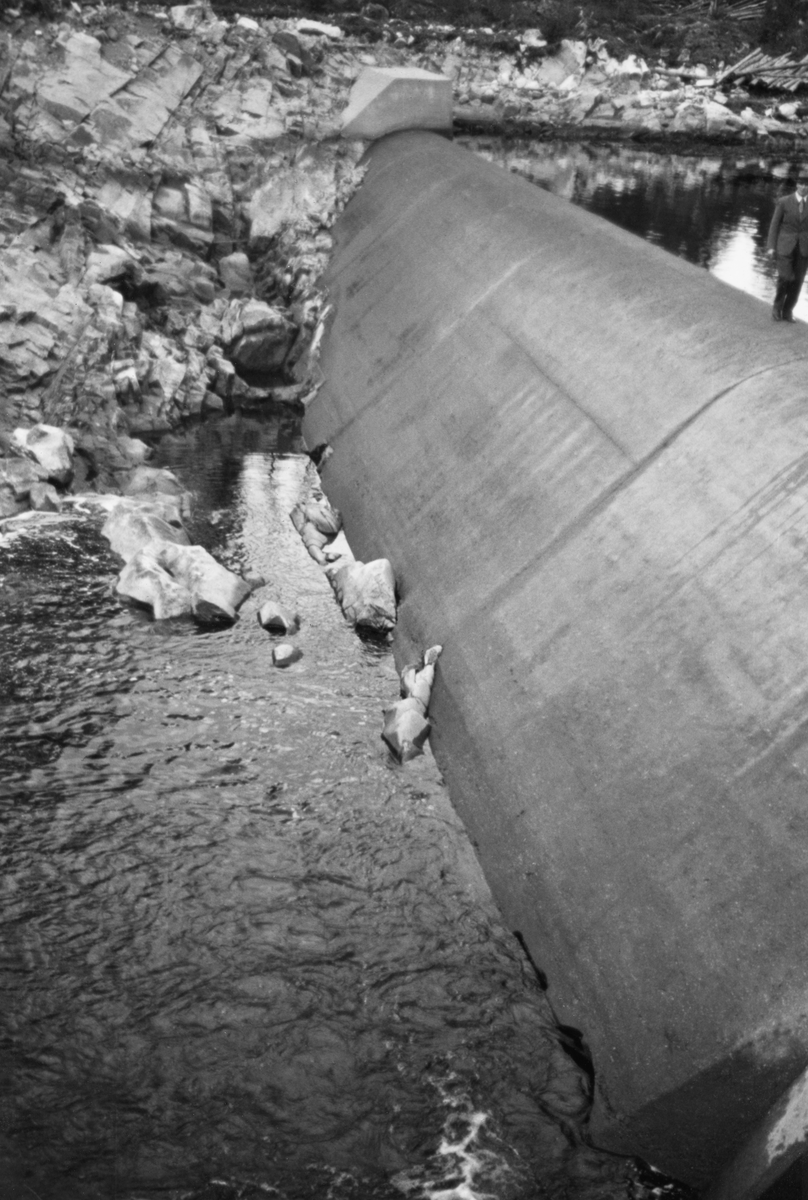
582 90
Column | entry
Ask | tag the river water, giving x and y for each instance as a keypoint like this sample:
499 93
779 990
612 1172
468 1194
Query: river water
242 952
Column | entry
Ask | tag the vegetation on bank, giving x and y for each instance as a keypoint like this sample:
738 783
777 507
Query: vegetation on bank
677 31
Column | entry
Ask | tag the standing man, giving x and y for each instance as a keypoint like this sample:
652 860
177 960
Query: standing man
788 240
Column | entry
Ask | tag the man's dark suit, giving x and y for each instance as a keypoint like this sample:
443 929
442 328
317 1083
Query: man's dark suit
788 237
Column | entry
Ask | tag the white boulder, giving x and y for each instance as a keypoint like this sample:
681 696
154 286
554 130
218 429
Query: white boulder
317 523
51 447
406 726
176 580
277 619
284 654
133 525
186 17
366 593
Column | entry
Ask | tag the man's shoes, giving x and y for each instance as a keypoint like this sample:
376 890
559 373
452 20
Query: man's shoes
788 317
777 313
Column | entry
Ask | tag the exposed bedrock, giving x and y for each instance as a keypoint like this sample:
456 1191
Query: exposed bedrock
586 461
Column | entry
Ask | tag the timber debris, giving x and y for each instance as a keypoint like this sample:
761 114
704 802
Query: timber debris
756 68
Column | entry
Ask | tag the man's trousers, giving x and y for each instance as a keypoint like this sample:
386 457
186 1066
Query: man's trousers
791 270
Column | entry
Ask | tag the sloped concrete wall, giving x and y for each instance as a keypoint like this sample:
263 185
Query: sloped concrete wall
588 463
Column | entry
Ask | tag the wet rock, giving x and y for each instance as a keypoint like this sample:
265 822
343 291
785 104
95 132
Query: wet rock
406 727
284 654
277 619
133 525
317 523
366 594
417 679
144 581
177 580
51 447
386 99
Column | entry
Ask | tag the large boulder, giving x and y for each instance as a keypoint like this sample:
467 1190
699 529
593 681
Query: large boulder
51 447
277 619
317 523
133 525
386 99
259 336
406 726
367 594
174 580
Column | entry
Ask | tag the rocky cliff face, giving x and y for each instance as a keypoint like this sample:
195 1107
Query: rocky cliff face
167 190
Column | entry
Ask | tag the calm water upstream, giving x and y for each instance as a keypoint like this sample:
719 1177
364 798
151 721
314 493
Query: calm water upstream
242 953
712 210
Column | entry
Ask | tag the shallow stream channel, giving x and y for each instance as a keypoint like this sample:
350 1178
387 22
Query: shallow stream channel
244 953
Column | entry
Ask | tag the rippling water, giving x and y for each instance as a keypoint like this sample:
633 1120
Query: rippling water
242 953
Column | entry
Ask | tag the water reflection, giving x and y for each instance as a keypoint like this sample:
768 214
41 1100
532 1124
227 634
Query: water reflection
713 211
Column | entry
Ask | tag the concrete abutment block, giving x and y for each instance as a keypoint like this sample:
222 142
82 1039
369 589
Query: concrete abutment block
387 99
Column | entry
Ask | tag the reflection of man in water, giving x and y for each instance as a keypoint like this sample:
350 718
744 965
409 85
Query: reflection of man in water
788 240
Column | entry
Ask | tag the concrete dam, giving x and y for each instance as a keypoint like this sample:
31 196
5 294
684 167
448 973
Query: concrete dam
587 461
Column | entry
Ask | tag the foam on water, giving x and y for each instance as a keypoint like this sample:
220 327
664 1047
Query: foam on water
462 1167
